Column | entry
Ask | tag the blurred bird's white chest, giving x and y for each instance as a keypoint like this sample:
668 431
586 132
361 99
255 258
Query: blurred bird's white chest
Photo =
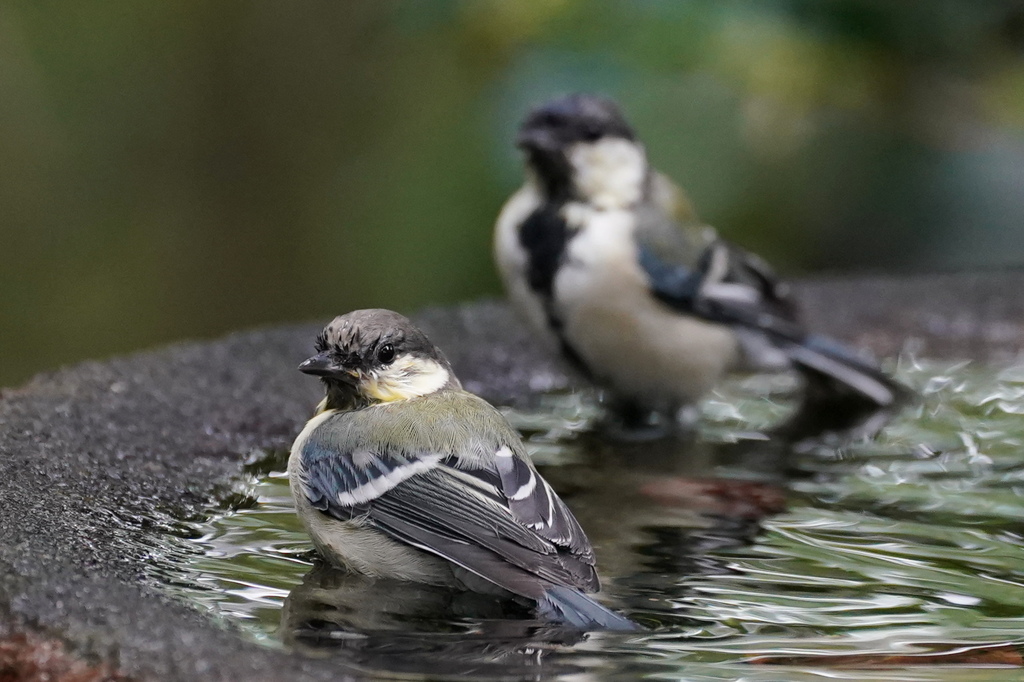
600 258
513 260
626 336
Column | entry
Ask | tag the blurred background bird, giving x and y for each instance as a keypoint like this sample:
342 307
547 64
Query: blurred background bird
606 259
404 475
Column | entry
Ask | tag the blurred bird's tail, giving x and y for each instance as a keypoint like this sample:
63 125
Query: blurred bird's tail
843 392
828 358
579 610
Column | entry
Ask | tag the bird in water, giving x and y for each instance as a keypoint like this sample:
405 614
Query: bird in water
403 475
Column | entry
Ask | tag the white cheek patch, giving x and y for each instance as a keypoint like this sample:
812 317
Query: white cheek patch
610 172
407 377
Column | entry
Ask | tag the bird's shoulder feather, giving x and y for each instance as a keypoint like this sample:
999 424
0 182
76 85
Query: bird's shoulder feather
671 199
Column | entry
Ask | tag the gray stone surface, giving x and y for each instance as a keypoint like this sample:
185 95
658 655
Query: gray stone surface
95 459
969 315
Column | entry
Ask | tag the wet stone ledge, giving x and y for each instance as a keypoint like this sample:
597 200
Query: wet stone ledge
93 459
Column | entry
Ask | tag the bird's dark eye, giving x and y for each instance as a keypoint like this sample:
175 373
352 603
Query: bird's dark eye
386 354
591 133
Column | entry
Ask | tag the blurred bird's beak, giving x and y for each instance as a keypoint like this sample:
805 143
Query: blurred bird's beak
323 365
537 139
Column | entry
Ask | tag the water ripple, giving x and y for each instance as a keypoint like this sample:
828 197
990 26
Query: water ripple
904 552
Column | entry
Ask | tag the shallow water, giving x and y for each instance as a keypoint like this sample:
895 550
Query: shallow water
897 558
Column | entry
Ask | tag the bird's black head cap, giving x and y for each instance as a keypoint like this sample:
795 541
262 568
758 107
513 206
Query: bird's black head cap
552 128
368 343
364 339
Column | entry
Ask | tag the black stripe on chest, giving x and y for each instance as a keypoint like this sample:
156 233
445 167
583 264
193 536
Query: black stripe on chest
545 236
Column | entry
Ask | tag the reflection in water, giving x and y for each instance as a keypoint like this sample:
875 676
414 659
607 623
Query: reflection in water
407 628
743 558
652 513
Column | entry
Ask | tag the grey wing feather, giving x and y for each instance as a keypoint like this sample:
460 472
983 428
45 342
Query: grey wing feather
469 556
717 281
534 504
692 270
439 506
349 477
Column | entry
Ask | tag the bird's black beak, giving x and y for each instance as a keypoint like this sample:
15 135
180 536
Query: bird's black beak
536 139
323 365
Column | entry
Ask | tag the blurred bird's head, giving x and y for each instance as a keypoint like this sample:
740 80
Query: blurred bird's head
376 356
580 147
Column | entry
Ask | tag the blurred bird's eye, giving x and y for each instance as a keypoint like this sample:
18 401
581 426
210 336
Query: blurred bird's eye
591 134
386 354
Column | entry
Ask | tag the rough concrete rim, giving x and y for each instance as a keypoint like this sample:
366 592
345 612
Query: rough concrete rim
98 457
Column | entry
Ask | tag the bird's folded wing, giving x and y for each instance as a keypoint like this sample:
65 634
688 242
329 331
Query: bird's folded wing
505 508
730 286
513 481
351 478
437 505
707 277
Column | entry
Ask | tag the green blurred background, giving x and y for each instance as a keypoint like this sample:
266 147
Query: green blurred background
179 170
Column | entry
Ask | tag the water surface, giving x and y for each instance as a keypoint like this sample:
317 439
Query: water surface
895 558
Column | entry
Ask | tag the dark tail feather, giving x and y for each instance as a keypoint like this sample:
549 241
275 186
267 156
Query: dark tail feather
842 393
829 358
579 610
